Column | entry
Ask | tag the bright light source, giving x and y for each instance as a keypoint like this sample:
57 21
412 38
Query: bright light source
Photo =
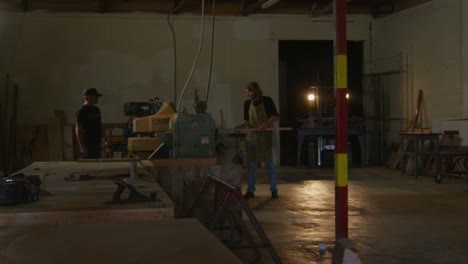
311 97
347 95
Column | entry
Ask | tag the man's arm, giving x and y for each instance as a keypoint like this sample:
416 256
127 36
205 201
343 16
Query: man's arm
79 138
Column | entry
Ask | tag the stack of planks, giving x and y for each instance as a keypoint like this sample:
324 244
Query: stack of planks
21 145
43 142
55 136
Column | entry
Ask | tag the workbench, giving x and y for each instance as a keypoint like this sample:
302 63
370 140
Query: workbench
418 150
163 241
319 132
72 223
85 201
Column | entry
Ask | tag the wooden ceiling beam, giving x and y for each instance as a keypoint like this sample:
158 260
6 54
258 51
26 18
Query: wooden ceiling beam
64 6
405 4
11 5
176 8
250 9
123 6
374 8
223 7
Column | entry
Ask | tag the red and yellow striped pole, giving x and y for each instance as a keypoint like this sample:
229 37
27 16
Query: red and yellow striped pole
341 121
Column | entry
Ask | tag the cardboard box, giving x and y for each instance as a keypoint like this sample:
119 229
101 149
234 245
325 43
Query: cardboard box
143 143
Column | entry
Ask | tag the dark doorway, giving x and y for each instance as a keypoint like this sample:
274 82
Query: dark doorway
306 64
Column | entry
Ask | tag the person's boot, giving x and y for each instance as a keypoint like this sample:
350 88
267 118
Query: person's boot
248 195
274 195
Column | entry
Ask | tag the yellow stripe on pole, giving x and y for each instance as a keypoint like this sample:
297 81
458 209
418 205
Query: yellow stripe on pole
341 71
341 163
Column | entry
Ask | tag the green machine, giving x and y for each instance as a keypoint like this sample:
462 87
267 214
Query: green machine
193 135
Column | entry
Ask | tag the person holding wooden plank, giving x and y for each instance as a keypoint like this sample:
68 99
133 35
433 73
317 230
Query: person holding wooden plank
259 112
88 126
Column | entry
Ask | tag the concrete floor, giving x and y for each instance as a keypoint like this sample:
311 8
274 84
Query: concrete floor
392 219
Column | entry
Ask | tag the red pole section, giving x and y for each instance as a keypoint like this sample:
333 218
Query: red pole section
341 121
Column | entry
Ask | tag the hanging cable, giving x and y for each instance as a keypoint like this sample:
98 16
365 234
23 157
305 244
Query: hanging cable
171 26
212 48
197 56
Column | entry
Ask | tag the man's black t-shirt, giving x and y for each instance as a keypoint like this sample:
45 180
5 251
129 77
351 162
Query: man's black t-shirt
89 117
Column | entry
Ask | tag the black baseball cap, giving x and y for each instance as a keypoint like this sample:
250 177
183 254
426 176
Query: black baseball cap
91 91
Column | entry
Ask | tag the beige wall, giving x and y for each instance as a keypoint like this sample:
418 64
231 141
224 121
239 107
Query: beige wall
53 57
430 38
129 58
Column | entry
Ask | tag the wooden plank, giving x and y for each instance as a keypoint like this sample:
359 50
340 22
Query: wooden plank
184 162
4 131
12 157
76 216
104 174
68 135
413 123
257 129
106 160
55 139
410 128
40 151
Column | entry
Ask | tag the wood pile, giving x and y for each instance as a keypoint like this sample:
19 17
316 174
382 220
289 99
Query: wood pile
42 142
55 136
21 145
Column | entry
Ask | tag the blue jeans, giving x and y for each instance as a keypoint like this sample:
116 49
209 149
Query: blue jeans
252 174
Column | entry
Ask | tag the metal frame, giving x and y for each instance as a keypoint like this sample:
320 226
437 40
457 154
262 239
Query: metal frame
232 193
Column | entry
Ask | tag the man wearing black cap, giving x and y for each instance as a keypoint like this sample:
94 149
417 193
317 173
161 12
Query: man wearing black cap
88 125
